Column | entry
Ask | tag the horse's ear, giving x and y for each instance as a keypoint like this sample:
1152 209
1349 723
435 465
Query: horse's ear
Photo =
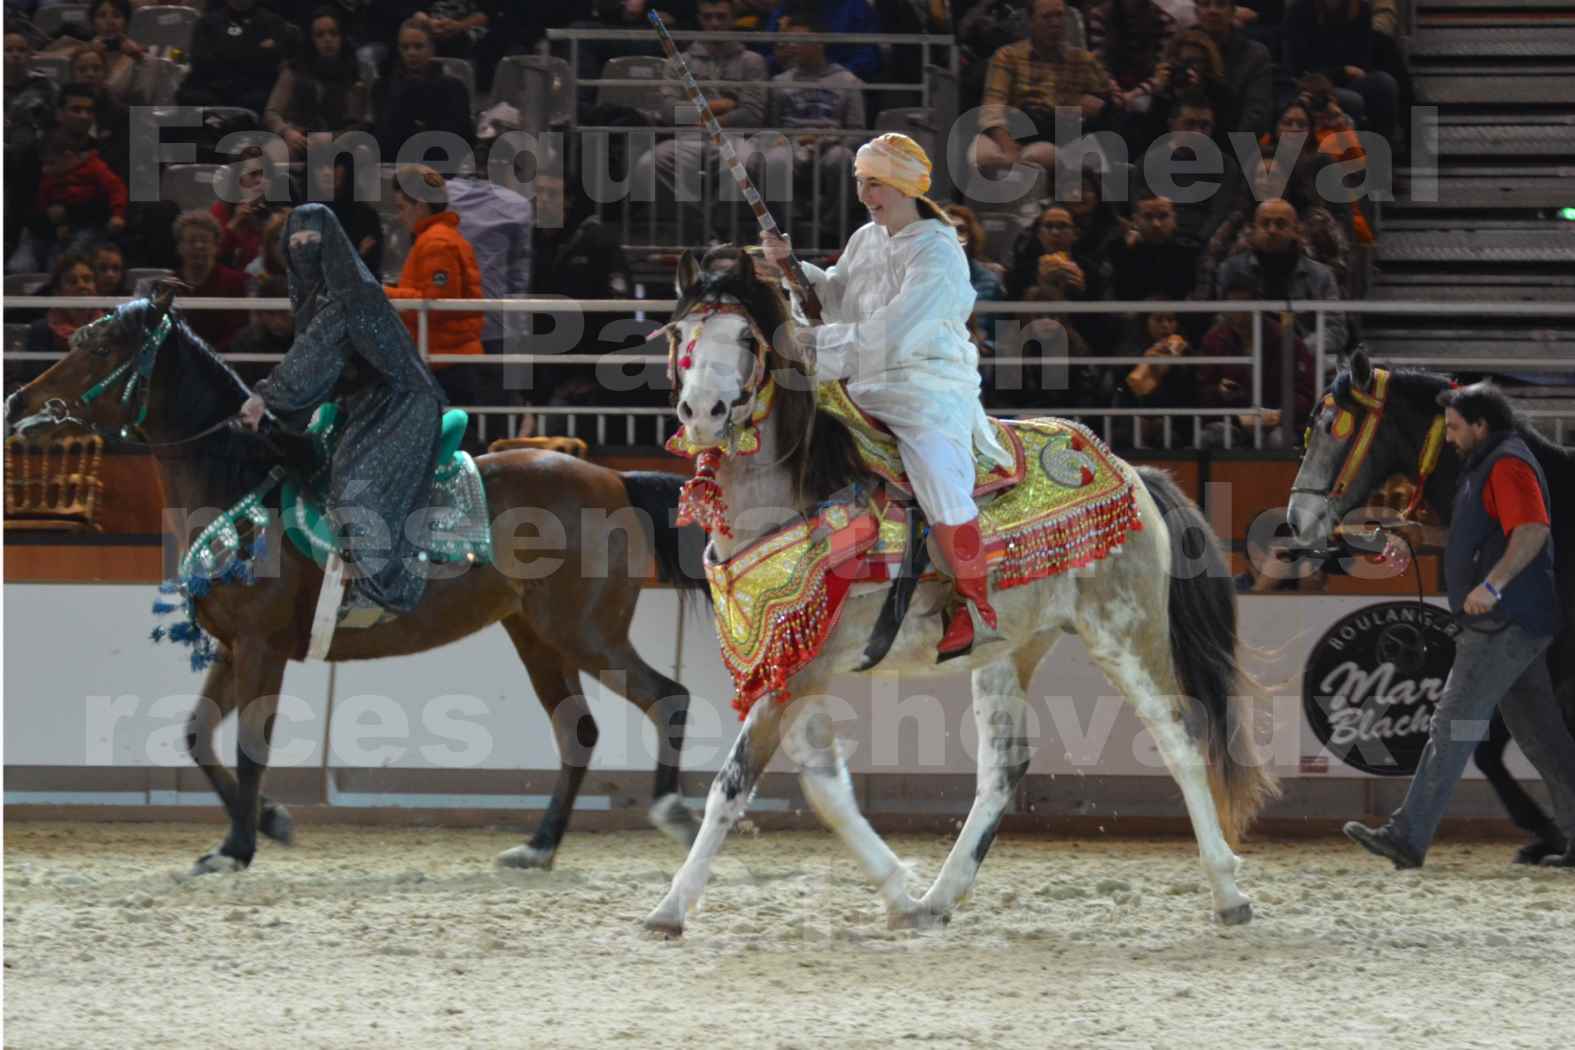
688 276
164 291
1361 370
746 265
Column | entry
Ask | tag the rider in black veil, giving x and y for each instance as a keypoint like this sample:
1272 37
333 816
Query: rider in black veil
350 341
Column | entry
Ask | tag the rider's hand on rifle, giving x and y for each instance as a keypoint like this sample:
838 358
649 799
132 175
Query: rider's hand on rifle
777 248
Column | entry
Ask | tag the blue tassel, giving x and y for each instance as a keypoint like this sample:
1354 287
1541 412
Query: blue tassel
186 632
198 586
163 608
170 587
158 634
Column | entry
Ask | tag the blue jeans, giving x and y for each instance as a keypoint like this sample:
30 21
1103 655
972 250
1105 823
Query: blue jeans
1508 671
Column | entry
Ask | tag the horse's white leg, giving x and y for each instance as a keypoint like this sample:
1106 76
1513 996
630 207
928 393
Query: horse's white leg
1162 711
726 802
999 710
811 741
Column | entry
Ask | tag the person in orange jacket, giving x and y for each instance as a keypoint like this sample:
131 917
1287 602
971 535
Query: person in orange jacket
441 265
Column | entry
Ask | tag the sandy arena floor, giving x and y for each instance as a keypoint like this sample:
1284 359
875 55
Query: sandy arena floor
401 938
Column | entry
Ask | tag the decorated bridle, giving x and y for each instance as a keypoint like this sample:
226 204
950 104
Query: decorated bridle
1373 403
700 501
136 373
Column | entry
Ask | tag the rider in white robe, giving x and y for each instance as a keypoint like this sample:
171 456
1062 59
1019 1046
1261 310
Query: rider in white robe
896 308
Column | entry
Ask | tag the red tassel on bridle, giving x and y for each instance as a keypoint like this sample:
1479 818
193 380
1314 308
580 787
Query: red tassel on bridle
700 501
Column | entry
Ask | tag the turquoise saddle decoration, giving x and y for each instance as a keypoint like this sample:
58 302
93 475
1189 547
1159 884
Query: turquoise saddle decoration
459 525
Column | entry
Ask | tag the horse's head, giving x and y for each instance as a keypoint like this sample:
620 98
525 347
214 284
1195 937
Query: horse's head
101 384
1369 425
721 343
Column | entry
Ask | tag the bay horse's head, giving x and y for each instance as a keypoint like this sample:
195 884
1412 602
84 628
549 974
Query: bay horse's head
1370 425
102 383
722 342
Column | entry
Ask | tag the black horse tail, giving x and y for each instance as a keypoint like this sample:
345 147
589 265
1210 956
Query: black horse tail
1203 649
679 549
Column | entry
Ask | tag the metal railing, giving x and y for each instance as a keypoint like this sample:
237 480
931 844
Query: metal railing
609 420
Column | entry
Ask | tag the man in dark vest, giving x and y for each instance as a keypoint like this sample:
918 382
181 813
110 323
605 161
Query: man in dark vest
1498 565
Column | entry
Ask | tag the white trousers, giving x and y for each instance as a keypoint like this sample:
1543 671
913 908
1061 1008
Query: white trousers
940 469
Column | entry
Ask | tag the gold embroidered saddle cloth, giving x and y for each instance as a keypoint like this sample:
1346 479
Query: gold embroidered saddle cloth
1070 503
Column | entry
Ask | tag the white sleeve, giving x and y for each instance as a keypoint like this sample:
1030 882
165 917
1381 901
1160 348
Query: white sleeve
927 299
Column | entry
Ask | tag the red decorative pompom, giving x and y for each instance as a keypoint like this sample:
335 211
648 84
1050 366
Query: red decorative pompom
1077 443
1088 476
686 362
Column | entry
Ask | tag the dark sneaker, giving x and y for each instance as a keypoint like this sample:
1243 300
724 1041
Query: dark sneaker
1382 842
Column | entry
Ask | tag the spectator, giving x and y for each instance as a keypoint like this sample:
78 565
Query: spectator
270 260
1230 386
986 26
357 218
1036 75
987 277
677 163
1151 259
1335 38
419 97
812 93
497 223
1053 261
1249 69
833 16
1205 196
109 269
237 50
197 235
247 182
1153 384
73 276
1324 234
627 15
1279 265
1193 68
1129 37
457 26
77 192
109 41
441 265
753 15
321 92
29 97
111 132
268 332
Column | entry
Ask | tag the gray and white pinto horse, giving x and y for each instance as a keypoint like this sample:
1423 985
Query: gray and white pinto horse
1161 636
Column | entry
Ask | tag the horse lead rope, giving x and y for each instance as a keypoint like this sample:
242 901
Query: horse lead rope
795 272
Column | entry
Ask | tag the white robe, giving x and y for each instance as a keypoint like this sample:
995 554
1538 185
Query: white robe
896 310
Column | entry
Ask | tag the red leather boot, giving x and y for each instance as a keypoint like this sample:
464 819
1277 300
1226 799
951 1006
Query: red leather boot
963 548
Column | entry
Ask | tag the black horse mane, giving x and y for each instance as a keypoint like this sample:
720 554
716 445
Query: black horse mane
823 458
198 390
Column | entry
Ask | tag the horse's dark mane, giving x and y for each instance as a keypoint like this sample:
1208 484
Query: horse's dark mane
822 456
200 389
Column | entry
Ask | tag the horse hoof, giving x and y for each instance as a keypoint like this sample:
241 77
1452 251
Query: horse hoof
662 926
667 920
1240 915
526 857
277 824
674 819
920 919
215 863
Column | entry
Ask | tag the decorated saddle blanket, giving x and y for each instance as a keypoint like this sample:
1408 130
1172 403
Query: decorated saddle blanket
458 526
459 522
777 600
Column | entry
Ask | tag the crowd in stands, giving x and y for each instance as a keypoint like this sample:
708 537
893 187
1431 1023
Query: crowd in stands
1169 77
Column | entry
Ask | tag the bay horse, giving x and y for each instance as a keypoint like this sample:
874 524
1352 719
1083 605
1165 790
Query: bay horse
562 621
1167 639
1373 424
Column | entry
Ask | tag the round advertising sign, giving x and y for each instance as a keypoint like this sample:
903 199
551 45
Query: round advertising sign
1373 681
